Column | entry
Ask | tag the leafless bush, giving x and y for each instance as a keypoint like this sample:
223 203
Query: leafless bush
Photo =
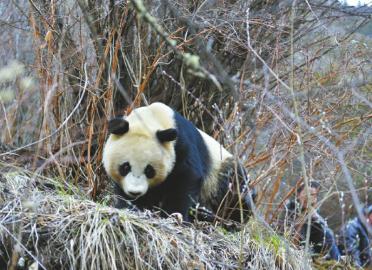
283 85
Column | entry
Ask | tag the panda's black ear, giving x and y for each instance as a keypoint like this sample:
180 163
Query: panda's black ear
118 126
166 135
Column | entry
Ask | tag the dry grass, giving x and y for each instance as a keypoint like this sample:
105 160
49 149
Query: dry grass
61 227
285 86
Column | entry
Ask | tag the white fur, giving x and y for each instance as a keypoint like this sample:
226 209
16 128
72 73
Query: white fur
140 147
218 155
150 119
135 184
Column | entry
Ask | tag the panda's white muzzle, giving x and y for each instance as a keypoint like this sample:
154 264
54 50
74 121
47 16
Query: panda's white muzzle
134 186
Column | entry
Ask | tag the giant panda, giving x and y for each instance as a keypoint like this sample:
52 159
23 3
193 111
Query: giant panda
159 159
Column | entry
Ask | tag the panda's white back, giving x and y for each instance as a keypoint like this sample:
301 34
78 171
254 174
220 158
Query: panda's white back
218 155
159 116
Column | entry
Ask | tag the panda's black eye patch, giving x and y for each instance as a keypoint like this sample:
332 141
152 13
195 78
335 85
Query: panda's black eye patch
124 169
149 171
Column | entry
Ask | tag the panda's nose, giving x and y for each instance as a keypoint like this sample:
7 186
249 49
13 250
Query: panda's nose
135 193
135 186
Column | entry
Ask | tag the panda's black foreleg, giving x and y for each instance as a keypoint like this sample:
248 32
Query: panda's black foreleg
121 201
178 203
181 197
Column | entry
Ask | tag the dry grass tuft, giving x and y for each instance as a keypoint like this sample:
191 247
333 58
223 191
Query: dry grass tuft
283 85
60 227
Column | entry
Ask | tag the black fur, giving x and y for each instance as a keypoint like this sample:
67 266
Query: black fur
182 186
226 203
181 189
118 126
167 135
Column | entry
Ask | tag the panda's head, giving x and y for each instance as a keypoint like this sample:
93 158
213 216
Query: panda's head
139 153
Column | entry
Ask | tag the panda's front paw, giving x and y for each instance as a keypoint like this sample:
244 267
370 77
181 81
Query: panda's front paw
178 217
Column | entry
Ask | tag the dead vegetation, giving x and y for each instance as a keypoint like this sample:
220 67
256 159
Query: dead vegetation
284 85
58 226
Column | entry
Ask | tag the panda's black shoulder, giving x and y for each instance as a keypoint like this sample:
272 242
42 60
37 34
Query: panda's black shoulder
185 128
190 145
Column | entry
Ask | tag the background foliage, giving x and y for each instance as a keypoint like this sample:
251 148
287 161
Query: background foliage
284 85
